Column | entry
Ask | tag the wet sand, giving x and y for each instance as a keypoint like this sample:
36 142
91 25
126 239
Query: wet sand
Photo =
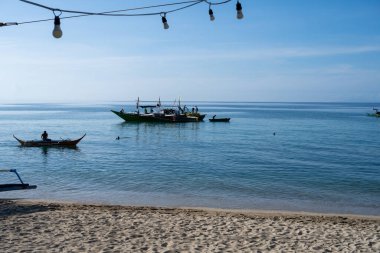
27 226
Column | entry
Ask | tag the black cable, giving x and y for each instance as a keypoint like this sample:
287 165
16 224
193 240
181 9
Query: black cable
110 13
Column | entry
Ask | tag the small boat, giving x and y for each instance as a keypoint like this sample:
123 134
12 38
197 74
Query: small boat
50 143
213 119
376 114
12 187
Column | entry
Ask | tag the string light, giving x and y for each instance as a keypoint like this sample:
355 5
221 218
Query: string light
211 13
57 31
239 10
165 21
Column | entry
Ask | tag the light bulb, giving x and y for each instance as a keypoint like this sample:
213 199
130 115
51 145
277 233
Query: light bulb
165 22
239 9
211 13
57 32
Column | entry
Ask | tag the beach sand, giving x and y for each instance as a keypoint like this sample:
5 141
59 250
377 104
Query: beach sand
67 227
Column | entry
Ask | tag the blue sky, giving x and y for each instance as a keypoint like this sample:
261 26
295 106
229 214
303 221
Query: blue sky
289 50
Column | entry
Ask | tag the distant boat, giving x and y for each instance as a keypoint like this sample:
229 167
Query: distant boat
376 114
51 143
213 119
157 113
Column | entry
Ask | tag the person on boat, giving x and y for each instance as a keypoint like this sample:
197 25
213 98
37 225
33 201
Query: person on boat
44 136
192 110
196 109
213 117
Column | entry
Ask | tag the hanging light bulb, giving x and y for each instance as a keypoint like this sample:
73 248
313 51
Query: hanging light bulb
165 21
211 13
57 32
239 10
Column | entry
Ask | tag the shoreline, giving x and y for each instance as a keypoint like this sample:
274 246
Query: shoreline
248 211
67 226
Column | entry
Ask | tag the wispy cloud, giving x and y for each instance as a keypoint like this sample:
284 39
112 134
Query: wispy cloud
272 53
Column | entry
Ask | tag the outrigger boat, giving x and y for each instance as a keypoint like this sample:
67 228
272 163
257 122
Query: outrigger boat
376 114
12 187
50 143
156 113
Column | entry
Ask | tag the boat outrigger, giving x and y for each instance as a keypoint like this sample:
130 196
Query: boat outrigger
157 113
50 143
12 187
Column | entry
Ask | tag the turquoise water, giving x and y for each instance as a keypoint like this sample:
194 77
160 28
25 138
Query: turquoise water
324 157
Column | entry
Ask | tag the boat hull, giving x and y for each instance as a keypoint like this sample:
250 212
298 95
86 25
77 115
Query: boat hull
52 143
159 118
220 120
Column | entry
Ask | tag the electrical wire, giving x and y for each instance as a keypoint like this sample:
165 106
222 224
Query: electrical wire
115 13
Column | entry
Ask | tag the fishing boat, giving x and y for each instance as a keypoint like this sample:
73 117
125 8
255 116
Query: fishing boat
213 119
12 187
50 143
158 113
376 114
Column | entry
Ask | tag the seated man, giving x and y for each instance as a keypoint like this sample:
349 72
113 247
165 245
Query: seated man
44 136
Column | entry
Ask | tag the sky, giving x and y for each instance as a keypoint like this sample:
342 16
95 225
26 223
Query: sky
282 51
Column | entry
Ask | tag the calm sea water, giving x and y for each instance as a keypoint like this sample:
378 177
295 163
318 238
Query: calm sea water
324 157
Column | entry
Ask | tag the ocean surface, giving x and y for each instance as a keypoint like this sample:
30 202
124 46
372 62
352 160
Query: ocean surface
320 157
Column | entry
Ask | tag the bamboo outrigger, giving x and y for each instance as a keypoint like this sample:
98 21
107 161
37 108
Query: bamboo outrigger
13 187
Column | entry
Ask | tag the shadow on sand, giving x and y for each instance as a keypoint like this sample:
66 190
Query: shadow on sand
10 207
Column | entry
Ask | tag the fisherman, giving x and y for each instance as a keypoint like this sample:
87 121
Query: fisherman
192 110
213 117
196 109
44 136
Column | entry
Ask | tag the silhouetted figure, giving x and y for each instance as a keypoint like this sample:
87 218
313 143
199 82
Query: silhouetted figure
118 138
213 117
274 133
44 136
192 110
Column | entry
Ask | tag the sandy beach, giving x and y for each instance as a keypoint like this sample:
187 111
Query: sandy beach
28 226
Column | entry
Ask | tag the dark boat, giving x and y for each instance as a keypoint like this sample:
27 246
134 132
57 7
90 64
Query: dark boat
51 143
160 117
376 114
220 120
213 119
12 187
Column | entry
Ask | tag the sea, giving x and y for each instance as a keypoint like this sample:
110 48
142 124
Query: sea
312 157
